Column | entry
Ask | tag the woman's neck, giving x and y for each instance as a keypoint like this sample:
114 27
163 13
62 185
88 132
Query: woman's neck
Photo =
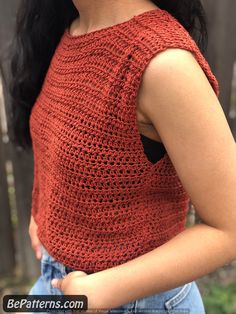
95 14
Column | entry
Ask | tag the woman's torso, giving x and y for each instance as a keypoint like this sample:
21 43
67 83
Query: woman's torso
97 199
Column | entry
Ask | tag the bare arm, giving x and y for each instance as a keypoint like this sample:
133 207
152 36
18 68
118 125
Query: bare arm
35 242
187 115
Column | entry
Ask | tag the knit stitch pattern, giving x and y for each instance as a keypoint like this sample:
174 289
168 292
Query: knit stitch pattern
97 199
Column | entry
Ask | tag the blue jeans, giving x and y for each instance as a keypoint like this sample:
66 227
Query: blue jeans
185 299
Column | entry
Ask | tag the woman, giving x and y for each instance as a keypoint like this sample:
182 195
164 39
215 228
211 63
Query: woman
108 215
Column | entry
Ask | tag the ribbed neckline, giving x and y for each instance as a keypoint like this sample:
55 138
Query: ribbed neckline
103 31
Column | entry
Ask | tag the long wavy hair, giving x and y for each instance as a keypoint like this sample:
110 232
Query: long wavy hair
38 29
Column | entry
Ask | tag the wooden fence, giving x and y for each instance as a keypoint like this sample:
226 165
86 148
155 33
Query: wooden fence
16 166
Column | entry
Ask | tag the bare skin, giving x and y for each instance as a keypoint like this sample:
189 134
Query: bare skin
35 242
189 120
145 125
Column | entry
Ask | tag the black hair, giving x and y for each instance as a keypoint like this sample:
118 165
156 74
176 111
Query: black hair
38 29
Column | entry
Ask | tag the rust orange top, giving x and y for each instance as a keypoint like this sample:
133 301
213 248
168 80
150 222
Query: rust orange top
98 201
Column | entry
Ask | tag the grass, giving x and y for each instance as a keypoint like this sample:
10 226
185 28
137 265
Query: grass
220 299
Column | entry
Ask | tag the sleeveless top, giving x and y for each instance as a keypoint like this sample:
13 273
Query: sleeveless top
97 199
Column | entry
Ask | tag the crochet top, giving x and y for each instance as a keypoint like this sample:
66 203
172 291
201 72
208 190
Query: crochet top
97 199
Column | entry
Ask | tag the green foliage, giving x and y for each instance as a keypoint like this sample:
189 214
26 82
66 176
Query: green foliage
220 299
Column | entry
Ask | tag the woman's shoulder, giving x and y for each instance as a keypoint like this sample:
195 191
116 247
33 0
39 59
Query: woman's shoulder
74 26
164 42
162 25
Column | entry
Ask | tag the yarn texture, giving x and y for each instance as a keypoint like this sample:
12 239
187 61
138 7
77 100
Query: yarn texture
98 201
